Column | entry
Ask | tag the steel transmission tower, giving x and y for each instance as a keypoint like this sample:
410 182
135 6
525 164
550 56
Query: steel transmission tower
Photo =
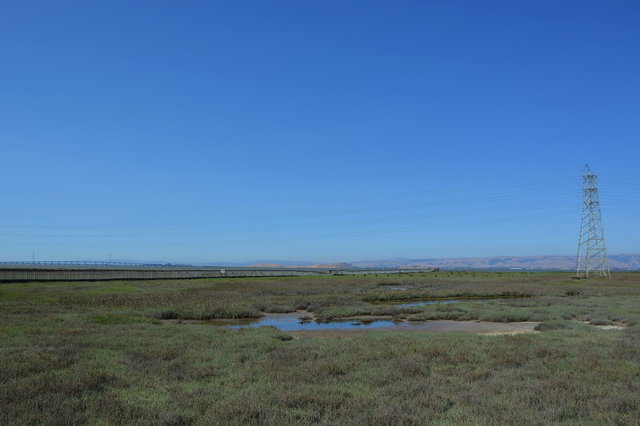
592 250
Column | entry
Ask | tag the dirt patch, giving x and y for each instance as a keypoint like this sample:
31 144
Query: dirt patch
610 325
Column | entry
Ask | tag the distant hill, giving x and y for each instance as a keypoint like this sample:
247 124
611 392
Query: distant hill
337 265
619 261
550 262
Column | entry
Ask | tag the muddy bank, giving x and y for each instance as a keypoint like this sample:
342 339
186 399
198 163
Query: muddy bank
439 326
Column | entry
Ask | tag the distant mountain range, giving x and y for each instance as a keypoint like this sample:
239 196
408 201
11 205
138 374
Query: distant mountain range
550 262
558 262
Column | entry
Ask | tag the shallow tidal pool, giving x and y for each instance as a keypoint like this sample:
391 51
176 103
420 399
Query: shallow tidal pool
292 322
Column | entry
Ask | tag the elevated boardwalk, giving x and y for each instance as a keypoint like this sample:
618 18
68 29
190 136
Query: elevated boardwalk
70 271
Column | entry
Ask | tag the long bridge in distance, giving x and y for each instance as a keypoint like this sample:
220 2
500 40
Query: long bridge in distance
99 271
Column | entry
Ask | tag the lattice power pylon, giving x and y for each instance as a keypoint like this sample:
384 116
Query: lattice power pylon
592 250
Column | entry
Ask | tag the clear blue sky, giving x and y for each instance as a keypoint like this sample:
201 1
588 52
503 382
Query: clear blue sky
314 130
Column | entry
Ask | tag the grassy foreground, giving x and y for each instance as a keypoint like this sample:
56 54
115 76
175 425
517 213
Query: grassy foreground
97 352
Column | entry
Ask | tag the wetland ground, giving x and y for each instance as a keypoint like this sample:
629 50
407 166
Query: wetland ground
117 353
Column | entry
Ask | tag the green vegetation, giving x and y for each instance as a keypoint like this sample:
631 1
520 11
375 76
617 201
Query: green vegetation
99 352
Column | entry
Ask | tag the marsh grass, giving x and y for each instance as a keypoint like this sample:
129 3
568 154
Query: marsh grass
83 353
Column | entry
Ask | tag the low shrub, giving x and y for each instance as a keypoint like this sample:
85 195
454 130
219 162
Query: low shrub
554 325
119 319
600 322
167 315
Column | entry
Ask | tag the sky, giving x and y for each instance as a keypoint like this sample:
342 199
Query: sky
242 131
